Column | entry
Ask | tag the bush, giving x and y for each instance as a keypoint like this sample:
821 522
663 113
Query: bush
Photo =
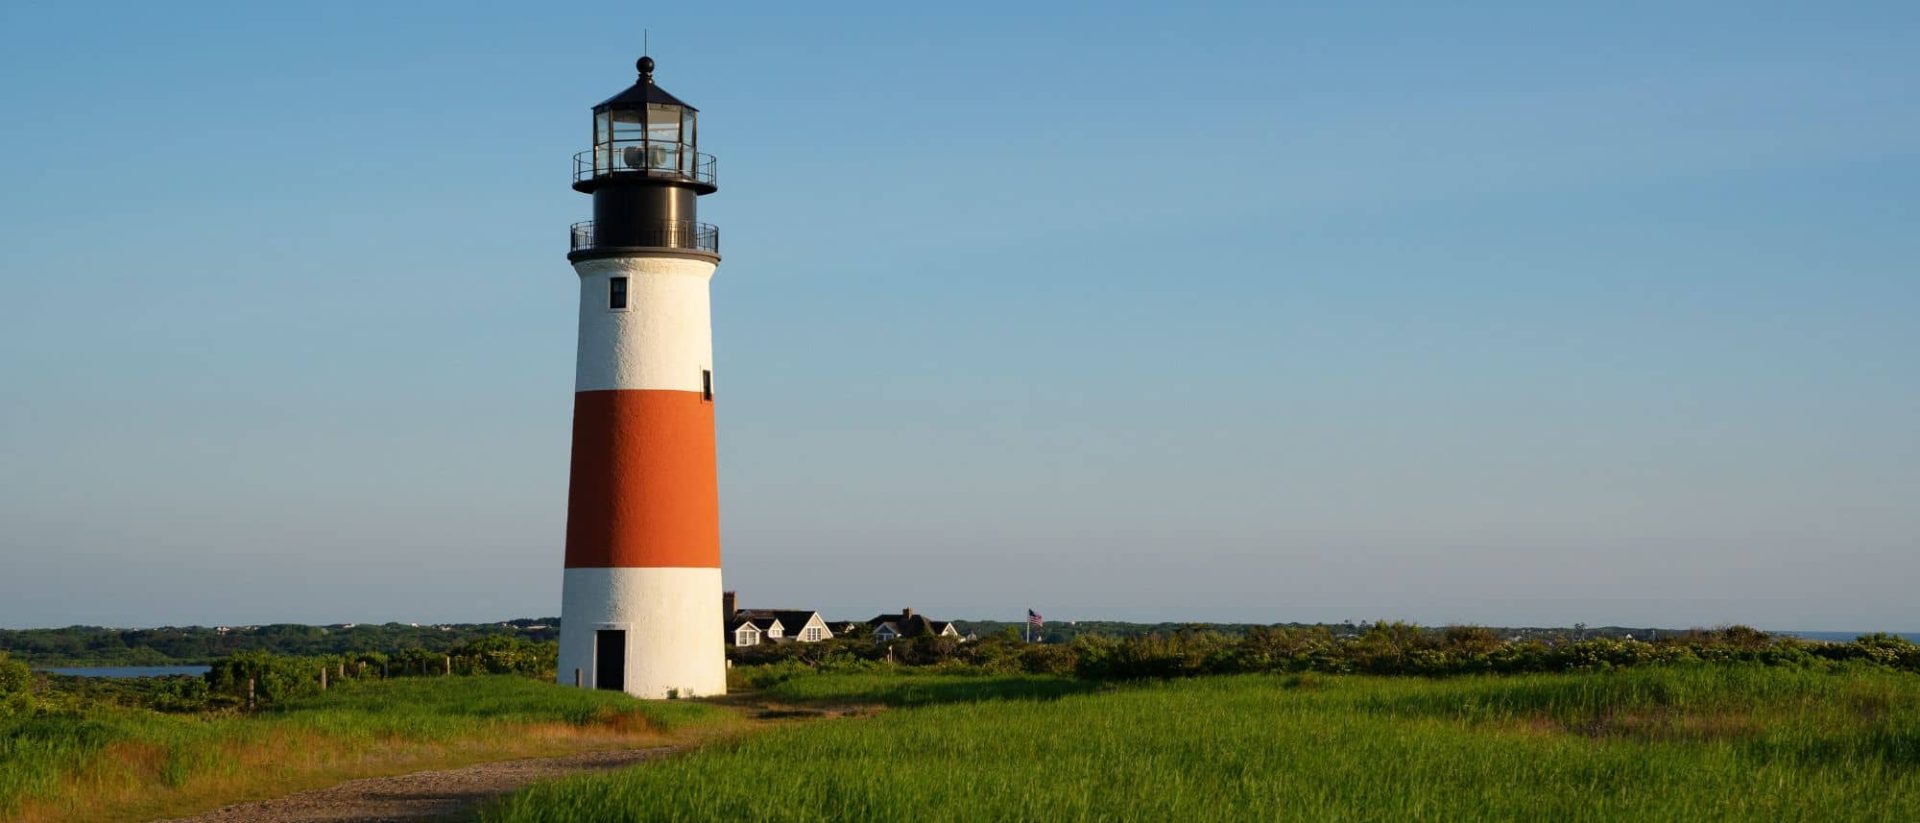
840 649
15 677
1047 658
925 650
279 677
274 677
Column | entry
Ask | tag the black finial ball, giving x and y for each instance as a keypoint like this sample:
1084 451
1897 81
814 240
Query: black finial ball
645 65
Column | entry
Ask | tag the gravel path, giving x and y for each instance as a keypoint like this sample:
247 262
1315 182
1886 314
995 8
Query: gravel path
422 795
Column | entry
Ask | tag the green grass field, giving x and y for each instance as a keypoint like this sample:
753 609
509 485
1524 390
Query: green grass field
1704 742
109 762
907 687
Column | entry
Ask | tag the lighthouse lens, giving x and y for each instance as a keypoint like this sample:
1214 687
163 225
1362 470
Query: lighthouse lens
663 123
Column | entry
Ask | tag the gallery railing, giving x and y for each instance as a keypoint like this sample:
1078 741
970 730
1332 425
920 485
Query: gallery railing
673 234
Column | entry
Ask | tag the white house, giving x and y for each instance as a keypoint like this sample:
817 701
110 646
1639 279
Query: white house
751 627
745 634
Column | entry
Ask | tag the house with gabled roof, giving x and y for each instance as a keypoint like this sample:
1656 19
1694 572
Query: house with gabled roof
744 633
751 627
888 627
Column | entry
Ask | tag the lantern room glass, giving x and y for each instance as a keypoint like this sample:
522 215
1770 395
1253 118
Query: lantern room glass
656 139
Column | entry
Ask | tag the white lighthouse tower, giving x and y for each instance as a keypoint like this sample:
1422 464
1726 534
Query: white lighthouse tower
640 608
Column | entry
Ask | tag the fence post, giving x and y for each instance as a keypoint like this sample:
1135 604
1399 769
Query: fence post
323 678
249 694
576 678
449 665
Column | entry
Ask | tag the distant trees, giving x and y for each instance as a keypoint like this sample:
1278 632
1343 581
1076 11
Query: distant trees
1386 648
276 677
1403 649
93 645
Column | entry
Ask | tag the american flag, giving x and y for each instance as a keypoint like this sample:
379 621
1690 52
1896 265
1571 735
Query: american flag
1034 618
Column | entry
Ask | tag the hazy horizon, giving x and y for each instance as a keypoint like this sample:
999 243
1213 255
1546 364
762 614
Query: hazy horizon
1522 316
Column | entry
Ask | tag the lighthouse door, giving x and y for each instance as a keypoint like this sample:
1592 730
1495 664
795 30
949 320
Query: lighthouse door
610 659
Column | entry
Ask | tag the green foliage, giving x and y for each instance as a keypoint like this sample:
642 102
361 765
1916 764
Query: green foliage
1044 659
1388 648
15 677
925 650
16 688
173 693
897 686
276 678
1742 741
838 650
96 646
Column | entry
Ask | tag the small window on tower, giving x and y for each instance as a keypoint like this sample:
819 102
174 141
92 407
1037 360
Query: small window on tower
617 293
706 384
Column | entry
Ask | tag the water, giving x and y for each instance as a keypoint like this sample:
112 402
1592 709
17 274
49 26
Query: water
132 671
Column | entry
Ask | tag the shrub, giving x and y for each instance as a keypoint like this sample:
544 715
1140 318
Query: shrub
15 677
926 649
279 677
1047 658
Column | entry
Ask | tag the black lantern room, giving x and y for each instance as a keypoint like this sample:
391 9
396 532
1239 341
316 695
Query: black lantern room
644 171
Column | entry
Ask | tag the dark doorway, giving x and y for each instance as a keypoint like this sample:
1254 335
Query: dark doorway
610 659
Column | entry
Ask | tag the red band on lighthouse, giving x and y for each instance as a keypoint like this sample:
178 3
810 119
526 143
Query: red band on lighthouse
644 488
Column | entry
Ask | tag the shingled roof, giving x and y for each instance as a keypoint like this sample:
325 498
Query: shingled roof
907 624
791 620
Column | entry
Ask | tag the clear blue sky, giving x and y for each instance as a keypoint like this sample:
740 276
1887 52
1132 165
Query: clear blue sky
1507 315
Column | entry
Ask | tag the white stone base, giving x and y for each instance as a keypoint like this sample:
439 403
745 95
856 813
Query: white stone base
676 640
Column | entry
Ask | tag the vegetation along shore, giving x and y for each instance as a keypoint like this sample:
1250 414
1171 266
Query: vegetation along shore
1396 721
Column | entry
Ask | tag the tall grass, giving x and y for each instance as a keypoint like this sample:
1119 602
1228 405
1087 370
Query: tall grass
1667 743
907 687
110 761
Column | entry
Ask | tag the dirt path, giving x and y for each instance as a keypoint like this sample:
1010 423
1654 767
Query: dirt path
423 795
449 793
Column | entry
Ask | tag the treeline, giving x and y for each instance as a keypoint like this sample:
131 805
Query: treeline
201 645
257 679
269 678
1067 632
1389 648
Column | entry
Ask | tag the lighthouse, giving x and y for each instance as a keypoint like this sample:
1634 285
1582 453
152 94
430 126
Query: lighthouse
640 604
